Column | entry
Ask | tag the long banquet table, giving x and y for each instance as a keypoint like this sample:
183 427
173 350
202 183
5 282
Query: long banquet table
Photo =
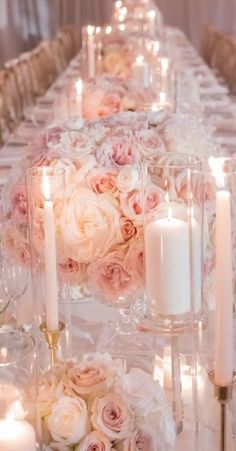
87 319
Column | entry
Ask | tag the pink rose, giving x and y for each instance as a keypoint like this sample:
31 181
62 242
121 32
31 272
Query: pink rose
110 279
134 260
144 438
112 101
89 224
113 416
101 181
119 149
95 441
16 245
150 142
72 272
88 378
135 203
19 202
128 228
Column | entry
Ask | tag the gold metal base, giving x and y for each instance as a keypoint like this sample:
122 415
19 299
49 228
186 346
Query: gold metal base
223 394
52 338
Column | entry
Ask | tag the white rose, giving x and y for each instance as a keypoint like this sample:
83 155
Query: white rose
67 422
89 224
148 401
127 179
95 441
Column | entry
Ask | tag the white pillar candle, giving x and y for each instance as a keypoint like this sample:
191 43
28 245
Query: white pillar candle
91 51
152 22
140 72
51 296
16 435
167 261
79 97
224 291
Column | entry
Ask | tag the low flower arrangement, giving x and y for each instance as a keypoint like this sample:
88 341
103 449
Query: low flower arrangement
102 96
121 46
106 95
97 405
99 215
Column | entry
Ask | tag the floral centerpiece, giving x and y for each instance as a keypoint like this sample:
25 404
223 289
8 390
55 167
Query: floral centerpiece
96 404
121 46
106 95
102 96
99 225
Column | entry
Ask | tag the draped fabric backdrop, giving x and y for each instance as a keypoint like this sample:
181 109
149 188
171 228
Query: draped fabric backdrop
24 22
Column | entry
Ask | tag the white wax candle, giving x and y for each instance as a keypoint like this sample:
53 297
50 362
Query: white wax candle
51 296
140 72
167 261
79 97
224 291
91 51
16 435
152 22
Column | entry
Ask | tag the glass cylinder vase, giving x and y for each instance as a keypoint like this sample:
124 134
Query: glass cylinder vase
173 235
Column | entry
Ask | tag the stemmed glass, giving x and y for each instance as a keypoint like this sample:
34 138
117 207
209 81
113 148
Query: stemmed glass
14 279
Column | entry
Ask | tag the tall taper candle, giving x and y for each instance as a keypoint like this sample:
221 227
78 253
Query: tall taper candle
224 291
51 296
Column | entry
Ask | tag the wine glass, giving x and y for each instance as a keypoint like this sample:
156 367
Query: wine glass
14 279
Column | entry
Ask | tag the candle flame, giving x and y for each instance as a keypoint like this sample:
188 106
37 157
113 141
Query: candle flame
152 14
118 4
165 65
122 27
98 30
46 185
217 167
162 97
108 29
123 11
140 59
15 411
90 30
79 87
156 46
169 211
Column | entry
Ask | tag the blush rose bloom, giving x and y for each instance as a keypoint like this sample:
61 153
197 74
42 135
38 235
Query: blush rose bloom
144 438
74 144
16 245
89 225
72 272
19 202
101 181
128 229
89 378
68 420
134 260
119 149
112 415
95 441
110 280
150 142
135 203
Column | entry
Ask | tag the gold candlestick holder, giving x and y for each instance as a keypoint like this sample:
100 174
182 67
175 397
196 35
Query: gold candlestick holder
52 338
223 394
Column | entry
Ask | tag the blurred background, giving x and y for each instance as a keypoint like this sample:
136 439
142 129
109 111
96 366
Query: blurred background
23 23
